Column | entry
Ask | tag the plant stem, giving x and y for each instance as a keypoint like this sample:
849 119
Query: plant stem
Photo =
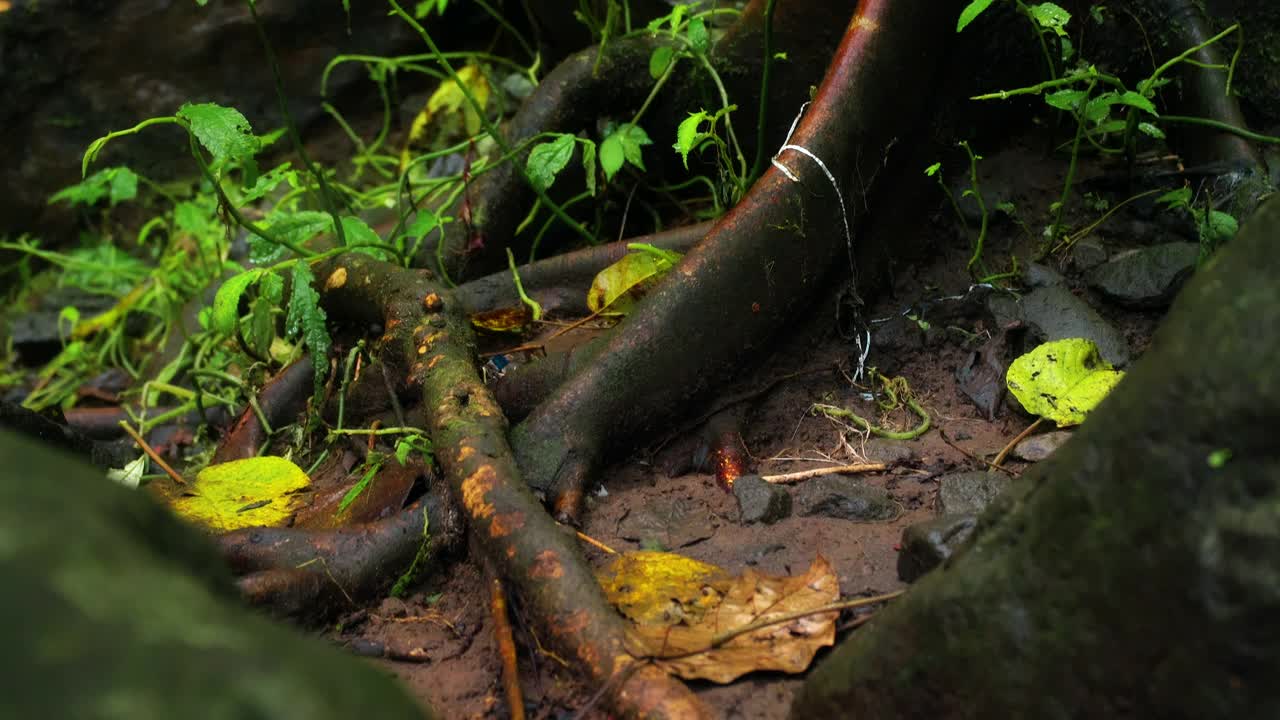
488 125
758 166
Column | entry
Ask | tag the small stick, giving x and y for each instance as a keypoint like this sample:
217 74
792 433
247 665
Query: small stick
819 472
973 457
1014 442
152 453
506 648
595 543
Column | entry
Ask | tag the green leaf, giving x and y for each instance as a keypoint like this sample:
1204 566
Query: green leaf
933 169
269 181
1065 99
1099 107
1062 380
616 287
307 319
1220 227
699 38
971 13
547 159
659 60
362 237
372 465
1176 198
611 156
223 131
117 184
226 303
1151 130
623 145
297 228
257 492
262 324
1051 17
688 135
1137 100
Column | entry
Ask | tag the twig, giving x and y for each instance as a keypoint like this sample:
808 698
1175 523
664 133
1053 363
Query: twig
1017 439
151 453
595 543
819 472
506 648
971 456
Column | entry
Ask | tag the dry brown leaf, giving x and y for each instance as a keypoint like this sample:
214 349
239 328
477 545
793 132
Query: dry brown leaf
686 649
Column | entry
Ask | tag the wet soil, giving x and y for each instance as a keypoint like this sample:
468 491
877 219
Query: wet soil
447 622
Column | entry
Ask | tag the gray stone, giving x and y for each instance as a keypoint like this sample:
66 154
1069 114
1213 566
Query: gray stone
927 545
844 498
889 452
667 522
1039 447
760 501
1038 275
1053 313
1147 277
969 492
1088 253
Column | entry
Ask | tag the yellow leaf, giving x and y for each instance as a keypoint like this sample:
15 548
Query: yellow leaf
686 648
658 588
448 99
512 319
258 492
618 286
1062 380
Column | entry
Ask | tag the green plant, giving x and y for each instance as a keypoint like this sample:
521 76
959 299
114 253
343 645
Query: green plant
1215 228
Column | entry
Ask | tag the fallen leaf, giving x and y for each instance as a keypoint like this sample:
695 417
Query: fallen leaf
660 588
789 646
1062 380
510 319
617 287
257 492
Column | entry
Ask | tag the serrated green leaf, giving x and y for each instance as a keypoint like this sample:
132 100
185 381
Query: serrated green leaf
1065 99
1062 380
659 60
1099 107
633 139
699 38
226 303
117 184
1137 100
268 182
223 131
688 135
306 319
971 13
297 228
271 287
1151 130
1051 16
262 325
547 159
257 492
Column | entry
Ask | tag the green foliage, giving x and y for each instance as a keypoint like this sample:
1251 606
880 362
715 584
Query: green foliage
548 159
372 464
623 144
971 13
226 134
1062 380
306 319
226 304
117 184
1214 227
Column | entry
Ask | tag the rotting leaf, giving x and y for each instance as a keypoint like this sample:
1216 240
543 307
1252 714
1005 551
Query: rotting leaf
1062 380
257 492
787 646
660 588
509 319
616 288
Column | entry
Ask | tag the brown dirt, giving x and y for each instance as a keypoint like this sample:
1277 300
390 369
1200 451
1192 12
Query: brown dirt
461 678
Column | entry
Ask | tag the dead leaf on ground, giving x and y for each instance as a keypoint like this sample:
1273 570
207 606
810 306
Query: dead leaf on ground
751 598
257 492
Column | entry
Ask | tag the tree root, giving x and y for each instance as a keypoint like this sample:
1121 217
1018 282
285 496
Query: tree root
311 574
280 400
755 269
535 557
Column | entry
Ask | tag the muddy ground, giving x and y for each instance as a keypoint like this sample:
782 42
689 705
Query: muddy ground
659 497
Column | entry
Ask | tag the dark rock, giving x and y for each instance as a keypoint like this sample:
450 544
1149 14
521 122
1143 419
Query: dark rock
969 492
760 501
1147 277
667 522
1088 253
1053 313
1039 275
118 609
1039 447
898 333
927 545
844 498
889 452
